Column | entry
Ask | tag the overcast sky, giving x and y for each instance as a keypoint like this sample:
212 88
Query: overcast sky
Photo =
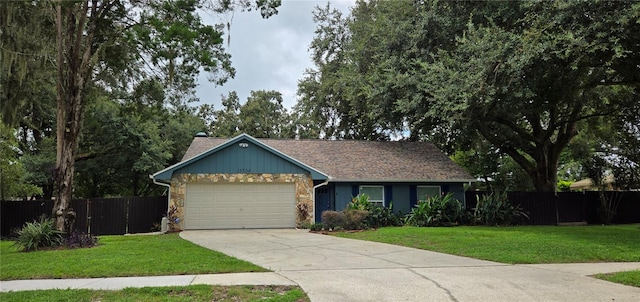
269 54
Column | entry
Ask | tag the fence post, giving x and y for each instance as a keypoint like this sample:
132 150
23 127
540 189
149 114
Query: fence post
555 203
88 216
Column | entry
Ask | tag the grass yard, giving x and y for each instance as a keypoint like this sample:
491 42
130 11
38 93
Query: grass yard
628 278
521 244
186 293
118 256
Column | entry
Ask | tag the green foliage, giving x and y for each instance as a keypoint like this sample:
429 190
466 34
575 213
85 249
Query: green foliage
125 142
332 220
224 122
383 216
485 70
13 175
495 209
262 115
108 51
435 211
378 216
316 227
564 185
38 234
360 202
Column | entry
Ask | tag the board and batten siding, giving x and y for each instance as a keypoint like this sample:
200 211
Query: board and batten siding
237 159
401 194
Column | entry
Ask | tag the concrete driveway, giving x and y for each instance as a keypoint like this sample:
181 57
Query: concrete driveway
337 269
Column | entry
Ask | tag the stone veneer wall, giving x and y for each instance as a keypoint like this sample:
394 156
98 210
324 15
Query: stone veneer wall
303 188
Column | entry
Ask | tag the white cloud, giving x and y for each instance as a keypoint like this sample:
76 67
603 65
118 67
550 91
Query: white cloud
269 54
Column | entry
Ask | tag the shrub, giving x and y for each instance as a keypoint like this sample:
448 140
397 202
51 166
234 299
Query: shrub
360 202
173 216
80 240
495 209
378 216
304 225
355 219
38 234
436 211
316 227
332 219
381 217
302 213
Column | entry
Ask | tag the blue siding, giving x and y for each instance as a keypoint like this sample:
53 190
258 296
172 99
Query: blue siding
401 198
234 159
458 192
403 195
343 194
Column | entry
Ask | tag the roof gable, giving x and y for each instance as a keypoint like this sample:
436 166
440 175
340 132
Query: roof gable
348 160
252 156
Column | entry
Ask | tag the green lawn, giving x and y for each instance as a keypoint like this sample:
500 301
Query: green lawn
521 244
186 293
629 278
117 256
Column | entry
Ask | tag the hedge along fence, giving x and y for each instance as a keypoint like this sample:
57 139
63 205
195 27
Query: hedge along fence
97 216
548 208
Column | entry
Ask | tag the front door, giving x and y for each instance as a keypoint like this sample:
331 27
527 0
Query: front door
323 202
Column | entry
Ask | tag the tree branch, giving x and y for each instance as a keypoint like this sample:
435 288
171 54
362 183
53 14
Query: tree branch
521 132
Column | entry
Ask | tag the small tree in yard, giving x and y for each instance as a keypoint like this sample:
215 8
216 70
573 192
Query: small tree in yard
624 173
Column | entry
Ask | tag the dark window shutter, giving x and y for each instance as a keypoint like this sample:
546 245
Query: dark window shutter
413 195
355 190
388 195
444 189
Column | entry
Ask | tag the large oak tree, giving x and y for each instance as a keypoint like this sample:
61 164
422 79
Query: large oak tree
523 75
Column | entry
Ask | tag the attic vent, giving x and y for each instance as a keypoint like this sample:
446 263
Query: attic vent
201 134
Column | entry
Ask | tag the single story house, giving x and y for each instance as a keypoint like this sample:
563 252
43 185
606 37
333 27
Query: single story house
244 182
587 184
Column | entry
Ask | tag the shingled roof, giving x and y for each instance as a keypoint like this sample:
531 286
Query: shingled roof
350 160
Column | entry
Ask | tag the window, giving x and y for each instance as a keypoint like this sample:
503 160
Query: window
427 191
375 193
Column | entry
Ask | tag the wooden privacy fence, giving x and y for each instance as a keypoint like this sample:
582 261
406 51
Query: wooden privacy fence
97 216
548 208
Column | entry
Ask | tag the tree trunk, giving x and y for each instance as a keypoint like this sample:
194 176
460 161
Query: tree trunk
545 174
73 60
542 180
68 132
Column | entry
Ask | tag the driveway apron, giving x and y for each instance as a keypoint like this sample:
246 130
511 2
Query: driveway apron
338 269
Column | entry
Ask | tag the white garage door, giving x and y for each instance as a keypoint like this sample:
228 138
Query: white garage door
240 205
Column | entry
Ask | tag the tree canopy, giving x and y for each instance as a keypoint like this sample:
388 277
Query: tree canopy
522 75
102 48
261 116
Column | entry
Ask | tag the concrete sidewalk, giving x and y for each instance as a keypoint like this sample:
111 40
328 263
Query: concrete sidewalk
267 278
123 282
